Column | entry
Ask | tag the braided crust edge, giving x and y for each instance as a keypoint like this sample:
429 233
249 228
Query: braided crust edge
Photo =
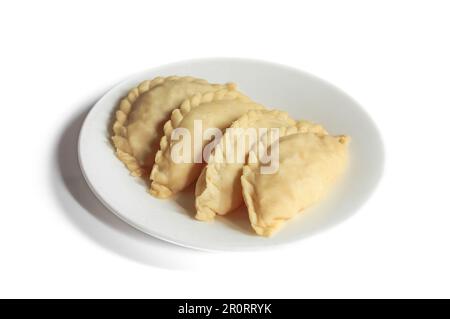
212 173
158 177
248 175
120 134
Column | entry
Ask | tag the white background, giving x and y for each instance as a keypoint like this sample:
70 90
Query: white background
56 60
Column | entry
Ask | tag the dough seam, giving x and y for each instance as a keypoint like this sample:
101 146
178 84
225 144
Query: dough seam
212 178
248 191
119 138
157 176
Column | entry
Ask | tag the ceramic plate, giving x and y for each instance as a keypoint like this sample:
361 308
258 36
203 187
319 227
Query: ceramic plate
302 95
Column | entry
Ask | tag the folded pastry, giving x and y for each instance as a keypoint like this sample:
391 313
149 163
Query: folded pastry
213 110
218 189
309 164
139 120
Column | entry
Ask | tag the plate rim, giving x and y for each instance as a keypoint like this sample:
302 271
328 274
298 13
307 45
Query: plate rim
268 245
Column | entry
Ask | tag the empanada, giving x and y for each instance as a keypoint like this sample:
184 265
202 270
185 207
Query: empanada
218 189
308 166
215 110
138 126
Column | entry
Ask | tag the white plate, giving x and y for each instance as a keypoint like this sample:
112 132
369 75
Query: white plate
302 95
